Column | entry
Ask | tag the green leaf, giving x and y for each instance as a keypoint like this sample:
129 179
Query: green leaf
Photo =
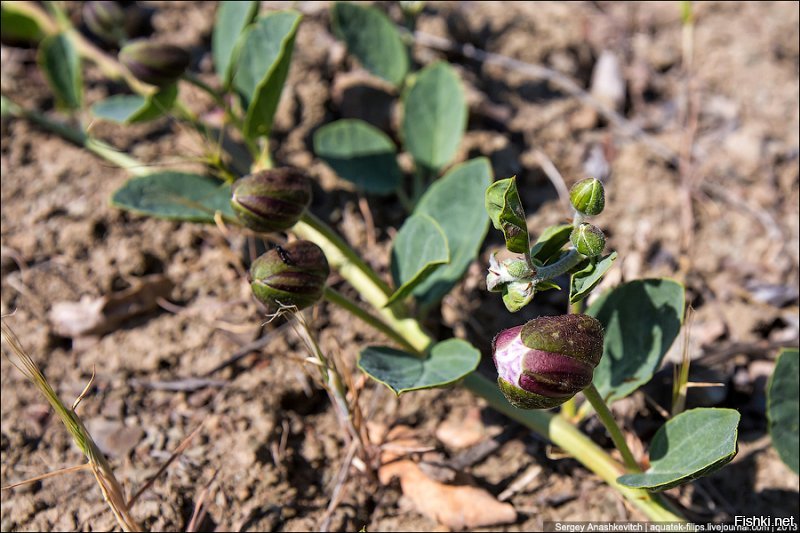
17 26
419 248
586 279
262 68
232 19
550 243
783 406
448 362
373 39
62 67
434 116
455 202
693 444
133 108
506 213
641 320
360 153
175 196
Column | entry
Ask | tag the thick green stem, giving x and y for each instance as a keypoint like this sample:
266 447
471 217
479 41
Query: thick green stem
353 308
608 421
562 266
372 288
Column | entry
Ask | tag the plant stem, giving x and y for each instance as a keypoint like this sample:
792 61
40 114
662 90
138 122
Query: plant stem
563 265
337 298
608 421
107 152
206 88
569 408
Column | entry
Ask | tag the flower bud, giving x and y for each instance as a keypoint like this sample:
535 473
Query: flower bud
106 20
290 276
271 200
547 361
588 197
588 239
154 63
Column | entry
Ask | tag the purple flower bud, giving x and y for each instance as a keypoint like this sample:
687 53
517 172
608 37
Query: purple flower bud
271 200
547 361
293 275
154 63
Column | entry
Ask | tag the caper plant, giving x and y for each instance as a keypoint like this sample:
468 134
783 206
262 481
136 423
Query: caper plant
603 353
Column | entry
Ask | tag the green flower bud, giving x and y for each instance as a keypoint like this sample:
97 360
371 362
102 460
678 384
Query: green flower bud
548 360
588 197
154 63
271 200
106 20
588 239
290 276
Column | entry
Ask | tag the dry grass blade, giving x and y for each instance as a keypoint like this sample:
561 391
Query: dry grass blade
681 372
175 454
68 470
109 486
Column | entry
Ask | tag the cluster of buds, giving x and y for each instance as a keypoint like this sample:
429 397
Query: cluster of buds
547 361
588 198
291 276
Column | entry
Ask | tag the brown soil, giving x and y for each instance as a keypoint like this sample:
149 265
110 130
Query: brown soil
270 448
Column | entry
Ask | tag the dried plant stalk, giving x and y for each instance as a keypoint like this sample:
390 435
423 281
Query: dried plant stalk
109 486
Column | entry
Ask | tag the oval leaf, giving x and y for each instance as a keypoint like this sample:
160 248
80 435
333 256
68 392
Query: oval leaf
17 25
62 67
133 108
455 202
359 153
232 19
549 244
586 279
434 116
373 39
175 196
507 215
641 320
263 66
448 362
783 406
419 248
693 444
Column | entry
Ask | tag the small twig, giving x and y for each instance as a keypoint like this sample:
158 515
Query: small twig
175 454
559 80
554 176
338 492
199 512
178 385
369 222
56 473
245 350
522 482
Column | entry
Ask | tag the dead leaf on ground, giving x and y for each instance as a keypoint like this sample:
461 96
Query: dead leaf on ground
96 316
454 506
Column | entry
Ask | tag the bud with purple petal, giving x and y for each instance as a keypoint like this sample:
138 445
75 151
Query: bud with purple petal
293 275
271 200
154 63
548 360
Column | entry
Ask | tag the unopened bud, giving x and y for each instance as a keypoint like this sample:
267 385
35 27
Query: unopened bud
289 276
588 197
588 239
271 200
548 360
154 63
106 20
